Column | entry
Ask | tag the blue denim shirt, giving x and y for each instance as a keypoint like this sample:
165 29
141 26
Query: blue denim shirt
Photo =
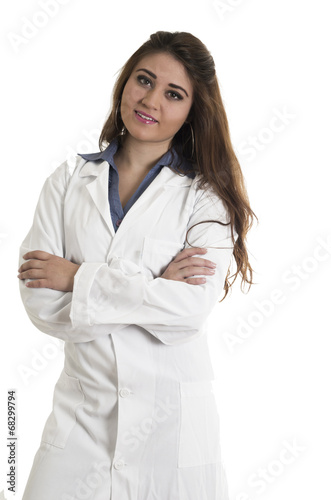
117 212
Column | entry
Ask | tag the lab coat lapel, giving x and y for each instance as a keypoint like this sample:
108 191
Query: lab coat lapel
98 189
143 207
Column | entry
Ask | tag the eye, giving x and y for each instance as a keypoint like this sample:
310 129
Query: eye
174 95
143 80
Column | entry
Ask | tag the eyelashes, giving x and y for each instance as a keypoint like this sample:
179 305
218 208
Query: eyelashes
175 95
144 80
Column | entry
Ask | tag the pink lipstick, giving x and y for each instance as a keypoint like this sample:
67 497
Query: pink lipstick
145 118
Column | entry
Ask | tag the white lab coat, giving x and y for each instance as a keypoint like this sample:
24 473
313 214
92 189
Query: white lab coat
134 415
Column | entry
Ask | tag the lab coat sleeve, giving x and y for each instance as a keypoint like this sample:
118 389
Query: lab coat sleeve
49 309
118 294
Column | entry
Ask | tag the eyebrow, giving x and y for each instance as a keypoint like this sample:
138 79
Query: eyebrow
172 85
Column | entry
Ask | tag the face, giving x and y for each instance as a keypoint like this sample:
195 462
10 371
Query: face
156 99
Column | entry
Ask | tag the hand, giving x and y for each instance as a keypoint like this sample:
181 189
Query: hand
184 266
48 271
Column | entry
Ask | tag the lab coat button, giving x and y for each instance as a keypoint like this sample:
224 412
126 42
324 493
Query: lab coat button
124 393
119 464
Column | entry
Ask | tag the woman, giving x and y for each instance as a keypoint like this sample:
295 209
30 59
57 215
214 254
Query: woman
128 253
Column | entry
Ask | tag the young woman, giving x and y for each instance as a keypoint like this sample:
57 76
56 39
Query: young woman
129 252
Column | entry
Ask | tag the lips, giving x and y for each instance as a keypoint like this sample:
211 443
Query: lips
144 117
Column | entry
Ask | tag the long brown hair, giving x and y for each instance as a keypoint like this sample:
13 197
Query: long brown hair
203 140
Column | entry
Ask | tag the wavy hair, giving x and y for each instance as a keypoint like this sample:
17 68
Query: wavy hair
203 140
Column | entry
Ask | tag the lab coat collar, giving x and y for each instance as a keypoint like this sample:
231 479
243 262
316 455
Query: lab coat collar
169 177
98 189
93 165
112 148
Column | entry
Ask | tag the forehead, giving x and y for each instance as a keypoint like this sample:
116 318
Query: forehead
166 68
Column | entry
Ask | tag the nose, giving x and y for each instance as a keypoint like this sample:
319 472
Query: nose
151 99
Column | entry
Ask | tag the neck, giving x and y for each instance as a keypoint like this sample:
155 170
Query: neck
140 156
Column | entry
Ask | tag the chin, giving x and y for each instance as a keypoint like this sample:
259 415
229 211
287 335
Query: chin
143 135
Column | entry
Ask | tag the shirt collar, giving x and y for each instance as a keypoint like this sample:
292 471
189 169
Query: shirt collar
108 154
169 158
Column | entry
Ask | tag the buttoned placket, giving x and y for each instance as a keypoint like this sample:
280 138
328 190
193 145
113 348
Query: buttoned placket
135 412
123 393
122 466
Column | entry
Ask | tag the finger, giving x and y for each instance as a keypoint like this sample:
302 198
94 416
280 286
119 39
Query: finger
37 284
32 274
37 254
194 271
196 261
30 264
188 252
196 281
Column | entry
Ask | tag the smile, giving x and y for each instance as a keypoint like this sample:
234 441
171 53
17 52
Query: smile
145 118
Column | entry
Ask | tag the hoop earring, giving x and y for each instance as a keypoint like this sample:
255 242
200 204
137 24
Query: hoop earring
192 140
117 117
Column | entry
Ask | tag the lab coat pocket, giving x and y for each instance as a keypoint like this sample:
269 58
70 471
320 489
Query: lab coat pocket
68 395
157 255
199 425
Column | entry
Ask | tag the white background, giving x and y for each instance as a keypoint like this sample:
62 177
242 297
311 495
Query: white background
270 347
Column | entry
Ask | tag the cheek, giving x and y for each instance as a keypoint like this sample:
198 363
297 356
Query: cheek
130 97
131 94
177 118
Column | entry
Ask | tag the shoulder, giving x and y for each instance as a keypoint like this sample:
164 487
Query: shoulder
208 201
63 174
